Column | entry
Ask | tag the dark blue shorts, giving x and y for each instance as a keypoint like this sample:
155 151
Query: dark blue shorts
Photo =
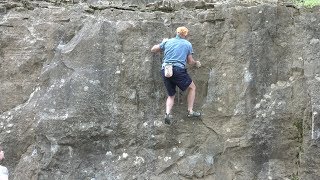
179 78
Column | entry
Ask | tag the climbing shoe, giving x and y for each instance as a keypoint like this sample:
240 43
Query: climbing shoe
193 114
167 119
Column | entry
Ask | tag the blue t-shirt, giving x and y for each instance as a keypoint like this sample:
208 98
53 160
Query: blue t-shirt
176 51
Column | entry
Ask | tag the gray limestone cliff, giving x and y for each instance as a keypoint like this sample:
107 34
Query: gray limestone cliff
81 96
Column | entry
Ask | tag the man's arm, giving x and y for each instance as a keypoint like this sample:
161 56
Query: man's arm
156 48
191 61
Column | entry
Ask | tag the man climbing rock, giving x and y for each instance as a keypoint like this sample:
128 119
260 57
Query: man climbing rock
177 53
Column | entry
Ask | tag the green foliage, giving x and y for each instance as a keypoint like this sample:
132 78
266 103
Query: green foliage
311 3
295 177
308 3
299 125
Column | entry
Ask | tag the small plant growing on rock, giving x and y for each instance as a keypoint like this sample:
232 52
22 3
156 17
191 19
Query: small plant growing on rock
308 3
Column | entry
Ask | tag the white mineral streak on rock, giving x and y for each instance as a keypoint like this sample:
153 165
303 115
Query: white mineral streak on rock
314 41
70 151
34 152
247 76
95 82
54 145
157 123
182 152
145 124
118 70
315 133
209 159
139 160
9 118
166 158
270 165
167 22
267 96
125 155
132 96
264 115
62 81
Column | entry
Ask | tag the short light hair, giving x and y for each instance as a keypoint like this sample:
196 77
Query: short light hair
182 31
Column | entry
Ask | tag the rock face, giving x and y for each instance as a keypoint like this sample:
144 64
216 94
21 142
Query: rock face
82 97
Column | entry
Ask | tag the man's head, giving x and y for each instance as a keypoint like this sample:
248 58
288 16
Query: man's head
1 153
182 31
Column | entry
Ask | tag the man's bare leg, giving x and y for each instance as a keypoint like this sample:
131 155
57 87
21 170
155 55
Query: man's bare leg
191 96
190 99
169 104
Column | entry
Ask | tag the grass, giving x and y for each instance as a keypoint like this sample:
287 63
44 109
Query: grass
294 177
311 3
299 125
308 3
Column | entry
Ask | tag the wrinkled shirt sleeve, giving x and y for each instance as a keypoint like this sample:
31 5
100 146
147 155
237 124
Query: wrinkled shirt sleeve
190 49
162 45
